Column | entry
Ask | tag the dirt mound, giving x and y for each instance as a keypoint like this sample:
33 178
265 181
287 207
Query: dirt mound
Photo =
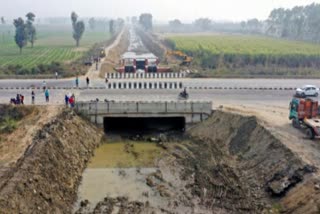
15 112
46 177
10 116
227 164
237 165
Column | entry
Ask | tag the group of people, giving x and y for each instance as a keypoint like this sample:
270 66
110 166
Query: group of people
69 100
77 81
19 100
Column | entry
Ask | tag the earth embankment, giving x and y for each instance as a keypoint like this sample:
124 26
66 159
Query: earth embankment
46 177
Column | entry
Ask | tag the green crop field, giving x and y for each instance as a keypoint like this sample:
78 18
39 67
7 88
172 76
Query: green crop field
243 44
238 55
53 44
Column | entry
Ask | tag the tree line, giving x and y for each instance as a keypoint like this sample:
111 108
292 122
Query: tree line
298 23
25 31
301 23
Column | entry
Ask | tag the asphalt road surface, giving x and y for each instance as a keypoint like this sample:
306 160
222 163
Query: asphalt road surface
295 83
219 97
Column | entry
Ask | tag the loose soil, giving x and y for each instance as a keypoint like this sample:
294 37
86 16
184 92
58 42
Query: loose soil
14 144
230 163
46 176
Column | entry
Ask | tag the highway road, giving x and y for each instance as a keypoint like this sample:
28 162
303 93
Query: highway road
187 82
219 97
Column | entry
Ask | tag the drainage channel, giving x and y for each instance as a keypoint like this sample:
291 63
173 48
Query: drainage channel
120 170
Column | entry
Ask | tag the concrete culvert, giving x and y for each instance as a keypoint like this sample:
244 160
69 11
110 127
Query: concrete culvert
143 124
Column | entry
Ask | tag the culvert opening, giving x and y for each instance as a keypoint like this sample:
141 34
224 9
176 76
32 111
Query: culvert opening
143 124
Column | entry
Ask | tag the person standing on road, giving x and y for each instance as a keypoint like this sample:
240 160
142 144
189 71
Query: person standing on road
88 81
77 82
44 85
18 99
71 101
57 75
33 95
46 94
22 99
66 100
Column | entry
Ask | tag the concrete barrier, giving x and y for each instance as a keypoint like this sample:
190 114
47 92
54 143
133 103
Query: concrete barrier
145 85
169 84
145 75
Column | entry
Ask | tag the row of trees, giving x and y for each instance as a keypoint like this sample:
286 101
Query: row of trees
25 31
202 24
111 25
298 23
145 20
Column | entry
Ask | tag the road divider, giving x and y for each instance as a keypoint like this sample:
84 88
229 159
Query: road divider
145 75
145 85
153 85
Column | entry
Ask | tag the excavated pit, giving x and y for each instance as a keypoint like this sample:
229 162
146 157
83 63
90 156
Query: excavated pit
227 164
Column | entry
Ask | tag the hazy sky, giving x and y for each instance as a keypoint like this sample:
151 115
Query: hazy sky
233 10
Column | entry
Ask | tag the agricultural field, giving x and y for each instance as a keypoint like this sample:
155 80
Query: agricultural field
53 44
249 54
242 44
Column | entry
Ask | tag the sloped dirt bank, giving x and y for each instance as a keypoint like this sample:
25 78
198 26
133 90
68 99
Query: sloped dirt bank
239 166
227 164
45 179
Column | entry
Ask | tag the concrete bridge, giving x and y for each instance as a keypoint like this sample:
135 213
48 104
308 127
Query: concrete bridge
175 114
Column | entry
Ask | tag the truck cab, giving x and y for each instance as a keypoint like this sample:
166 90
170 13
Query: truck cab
304 115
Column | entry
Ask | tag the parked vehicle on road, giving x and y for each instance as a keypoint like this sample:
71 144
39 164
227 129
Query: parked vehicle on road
308 90
304 116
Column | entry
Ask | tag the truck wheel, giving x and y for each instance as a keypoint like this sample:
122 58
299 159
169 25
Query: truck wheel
296 124
303 95
316 95
310 134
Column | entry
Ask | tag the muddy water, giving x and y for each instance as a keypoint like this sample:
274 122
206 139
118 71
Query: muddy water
125 155
120 169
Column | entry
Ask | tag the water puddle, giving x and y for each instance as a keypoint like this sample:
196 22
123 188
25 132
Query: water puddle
120 169
130 182
126 155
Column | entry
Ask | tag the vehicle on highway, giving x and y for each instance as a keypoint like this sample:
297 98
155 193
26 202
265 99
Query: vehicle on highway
308 90
304 116
183 95
88 62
